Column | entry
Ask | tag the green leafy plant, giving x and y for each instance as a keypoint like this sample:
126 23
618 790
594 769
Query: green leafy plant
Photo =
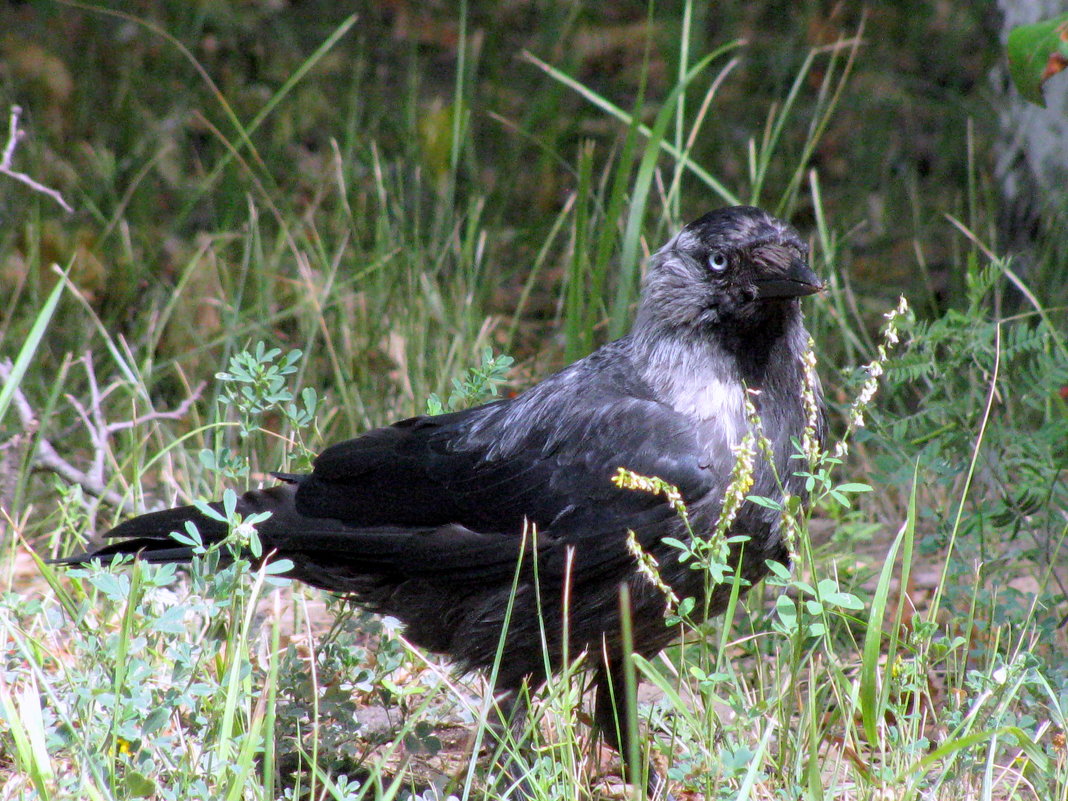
973 373
477 385
1037 52
254 385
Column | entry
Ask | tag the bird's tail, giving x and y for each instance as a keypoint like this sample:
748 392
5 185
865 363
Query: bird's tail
150 536
324 552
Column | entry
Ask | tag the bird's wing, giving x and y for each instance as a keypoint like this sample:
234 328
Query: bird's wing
442 496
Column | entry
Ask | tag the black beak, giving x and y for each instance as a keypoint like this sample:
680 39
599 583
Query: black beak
798 281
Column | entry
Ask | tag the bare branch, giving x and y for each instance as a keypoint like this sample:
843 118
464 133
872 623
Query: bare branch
14 135
49 460
177 413
93 480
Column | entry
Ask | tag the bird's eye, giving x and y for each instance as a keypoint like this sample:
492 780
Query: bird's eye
717 261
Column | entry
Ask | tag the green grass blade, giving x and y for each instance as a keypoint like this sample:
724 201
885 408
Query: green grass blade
669 688
753 772
615 111
632 757
871 699
954 746
26 726
270 719
33 340
627 286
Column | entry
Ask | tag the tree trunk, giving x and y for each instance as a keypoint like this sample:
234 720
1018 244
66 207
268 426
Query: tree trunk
1032 150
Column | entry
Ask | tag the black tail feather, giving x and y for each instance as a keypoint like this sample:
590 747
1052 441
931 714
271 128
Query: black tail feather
324 552
150 549
160 525
148 536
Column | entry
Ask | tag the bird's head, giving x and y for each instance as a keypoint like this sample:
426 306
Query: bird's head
736 268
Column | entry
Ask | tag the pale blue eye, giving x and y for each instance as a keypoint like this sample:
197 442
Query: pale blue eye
717 261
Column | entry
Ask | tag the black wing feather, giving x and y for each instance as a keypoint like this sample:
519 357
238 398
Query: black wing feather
472 503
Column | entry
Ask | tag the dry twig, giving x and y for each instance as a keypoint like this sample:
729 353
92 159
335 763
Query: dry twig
14 135
92 479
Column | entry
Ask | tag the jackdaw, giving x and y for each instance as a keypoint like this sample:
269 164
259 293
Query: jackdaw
431 519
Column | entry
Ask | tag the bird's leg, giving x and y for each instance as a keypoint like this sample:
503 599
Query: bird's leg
508 723
610 715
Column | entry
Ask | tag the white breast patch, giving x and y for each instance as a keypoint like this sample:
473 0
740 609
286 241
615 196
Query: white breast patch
716 400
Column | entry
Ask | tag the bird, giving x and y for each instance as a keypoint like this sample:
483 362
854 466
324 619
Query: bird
503 522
